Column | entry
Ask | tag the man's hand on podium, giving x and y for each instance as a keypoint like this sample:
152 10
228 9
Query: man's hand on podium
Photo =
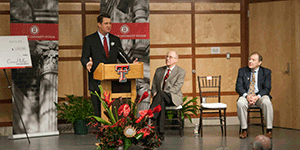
89 65
135 61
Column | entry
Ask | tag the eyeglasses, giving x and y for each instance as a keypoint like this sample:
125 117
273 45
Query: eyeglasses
170 57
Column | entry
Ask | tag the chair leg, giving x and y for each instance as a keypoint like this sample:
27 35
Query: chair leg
262 121
179 121
225 121
221 122
200 130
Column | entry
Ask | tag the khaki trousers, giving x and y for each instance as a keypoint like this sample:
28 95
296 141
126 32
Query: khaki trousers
264 103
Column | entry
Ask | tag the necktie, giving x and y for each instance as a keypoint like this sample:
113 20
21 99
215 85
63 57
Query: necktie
252 84
165 78
105 47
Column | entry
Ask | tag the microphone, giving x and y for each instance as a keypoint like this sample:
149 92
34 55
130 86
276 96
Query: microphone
120 51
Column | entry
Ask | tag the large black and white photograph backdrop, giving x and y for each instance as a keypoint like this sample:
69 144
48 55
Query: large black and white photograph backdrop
130 18
35 89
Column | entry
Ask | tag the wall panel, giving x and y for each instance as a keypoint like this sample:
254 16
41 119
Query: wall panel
170 29
217 6
69 6
164 51
170 6
5 25
91 23
217 28
228 69
92 6
223 50
70 78
70 30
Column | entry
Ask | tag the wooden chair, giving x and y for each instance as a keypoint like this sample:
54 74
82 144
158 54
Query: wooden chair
255 109
178 111
209 89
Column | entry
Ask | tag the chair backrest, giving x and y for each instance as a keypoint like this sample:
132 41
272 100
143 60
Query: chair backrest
209 87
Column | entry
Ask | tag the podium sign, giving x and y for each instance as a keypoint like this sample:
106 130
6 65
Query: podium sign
14 52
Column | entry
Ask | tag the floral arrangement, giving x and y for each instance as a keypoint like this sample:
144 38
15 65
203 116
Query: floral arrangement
123 128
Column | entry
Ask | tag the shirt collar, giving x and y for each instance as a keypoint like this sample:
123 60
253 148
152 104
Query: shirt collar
171 68
101 36
256 70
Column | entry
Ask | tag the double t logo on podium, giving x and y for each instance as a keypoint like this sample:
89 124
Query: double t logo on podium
122 70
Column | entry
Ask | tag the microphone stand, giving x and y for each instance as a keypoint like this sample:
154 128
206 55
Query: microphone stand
9 86
120 52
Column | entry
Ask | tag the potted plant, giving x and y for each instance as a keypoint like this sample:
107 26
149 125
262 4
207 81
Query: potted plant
123 129
186 109
77 111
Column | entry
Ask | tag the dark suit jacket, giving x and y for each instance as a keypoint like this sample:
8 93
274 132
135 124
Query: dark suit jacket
264 81
173 84
92 47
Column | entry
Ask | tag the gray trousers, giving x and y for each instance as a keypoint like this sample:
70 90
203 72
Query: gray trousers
264 103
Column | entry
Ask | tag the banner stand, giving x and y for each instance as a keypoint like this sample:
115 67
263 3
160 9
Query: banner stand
9 87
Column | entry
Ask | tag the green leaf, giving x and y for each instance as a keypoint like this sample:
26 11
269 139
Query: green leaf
190 118
127 143
139 136
190 101
101 120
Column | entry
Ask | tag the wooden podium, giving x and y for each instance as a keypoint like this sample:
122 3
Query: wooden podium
108 75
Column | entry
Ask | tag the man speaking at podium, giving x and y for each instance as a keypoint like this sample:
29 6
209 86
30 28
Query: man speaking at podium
101 47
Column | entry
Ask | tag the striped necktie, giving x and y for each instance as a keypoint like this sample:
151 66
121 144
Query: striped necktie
165 78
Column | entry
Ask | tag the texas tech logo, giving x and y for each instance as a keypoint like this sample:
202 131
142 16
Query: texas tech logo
34 29
122 70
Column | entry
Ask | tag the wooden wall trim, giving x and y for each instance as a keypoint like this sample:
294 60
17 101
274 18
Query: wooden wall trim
62 47
5 101
244 33
5 124
188 1
193 19
262 1
197 56
69 58
225 93
6 12
196 45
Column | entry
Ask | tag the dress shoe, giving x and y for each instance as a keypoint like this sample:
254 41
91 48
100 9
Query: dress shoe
243 135
269 135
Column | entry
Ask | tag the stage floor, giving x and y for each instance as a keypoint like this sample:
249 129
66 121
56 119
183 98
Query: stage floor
283 139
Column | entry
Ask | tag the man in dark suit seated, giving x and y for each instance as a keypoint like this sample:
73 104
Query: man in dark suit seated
253 85
166 88
101 47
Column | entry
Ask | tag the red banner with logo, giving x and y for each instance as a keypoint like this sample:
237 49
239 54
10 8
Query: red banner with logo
35 31
131 30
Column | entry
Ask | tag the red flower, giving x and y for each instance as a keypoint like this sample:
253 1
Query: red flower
110 103
125 109
148 113
145 95
107 98
146 131
119 122
157 109
120 142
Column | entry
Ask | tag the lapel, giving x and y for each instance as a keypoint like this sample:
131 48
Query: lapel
174 72
99 44
248 75
260 75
